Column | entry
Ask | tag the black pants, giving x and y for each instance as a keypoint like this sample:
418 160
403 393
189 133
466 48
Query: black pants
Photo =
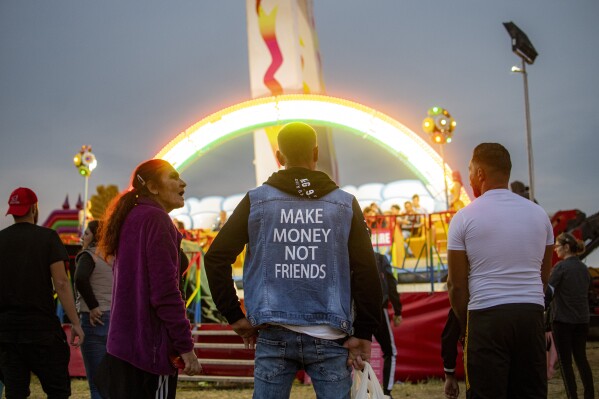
384 337
48 359
117 379
505 353
571 340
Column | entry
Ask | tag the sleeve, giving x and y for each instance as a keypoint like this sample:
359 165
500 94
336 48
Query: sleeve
57 250
549 229
455 236
555 277
83 272
162 254
183 266
225 248
365 281
393 294
449 342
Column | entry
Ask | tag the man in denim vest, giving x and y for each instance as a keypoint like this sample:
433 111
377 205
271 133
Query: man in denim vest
312 292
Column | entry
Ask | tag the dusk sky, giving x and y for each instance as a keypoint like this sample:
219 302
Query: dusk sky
127 76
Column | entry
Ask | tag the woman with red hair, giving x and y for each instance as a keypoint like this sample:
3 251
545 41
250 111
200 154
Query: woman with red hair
148 325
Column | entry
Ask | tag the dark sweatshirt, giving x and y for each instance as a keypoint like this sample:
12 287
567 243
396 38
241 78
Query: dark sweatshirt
234 235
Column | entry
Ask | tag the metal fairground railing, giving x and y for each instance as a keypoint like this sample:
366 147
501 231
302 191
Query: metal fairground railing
416 245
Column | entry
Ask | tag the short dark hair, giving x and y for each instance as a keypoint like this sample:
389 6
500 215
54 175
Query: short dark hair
494 156
297 141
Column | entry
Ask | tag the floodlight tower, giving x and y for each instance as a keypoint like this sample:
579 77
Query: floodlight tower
523 48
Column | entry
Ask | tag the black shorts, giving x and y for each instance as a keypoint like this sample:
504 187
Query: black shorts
118 379
505 353
48 359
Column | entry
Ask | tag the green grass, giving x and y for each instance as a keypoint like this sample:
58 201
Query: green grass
429 389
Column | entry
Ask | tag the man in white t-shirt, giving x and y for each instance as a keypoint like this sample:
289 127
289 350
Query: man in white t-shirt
499 259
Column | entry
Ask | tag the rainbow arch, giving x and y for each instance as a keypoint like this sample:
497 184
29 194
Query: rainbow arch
356 118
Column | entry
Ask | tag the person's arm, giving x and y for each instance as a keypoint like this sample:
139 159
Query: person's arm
449 352
83 272
162 265
546 265
365 290
449 342
392 292
62 286
457 284
225 248
365 281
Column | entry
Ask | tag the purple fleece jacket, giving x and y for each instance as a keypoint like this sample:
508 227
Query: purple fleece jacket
147 319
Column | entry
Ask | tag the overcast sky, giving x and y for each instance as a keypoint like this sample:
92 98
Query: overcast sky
127 76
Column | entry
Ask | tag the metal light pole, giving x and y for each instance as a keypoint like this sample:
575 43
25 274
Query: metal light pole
524 49
85 162
444 177
531 174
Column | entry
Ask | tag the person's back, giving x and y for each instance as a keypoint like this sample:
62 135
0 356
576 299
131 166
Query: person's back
309 266
499 257
26 292
506 237
32 267
571 301
307 253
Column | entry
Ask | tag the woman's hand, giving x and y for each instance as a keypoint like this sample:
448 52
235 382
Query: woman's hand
192 365
95 317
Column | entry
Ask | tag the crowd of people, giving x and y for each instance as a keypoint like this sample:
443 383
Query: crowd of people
315 291
410 219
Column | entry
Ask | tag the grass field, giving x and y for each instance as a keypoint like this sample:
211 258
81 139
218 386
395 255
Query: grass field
430 389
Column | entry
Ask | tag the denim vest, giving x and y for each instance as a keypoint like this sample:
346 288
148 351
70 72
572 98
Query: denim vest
296 269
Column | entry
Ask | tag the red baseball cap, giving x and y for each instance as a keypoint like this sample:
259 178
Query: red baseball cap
20 201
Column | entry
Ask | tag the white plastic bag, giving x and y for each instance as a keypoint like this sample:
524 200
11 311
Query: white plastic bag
366 385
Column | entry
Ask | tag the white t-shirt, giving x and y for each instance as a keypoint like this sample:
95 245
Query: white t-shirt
505 237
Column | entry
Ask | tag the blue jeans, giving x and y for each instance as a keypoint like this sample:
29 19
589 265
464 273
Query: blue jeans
93 348
280 353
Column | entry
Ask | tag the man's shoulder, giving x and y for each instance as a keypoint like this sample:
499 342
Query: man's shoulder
28 228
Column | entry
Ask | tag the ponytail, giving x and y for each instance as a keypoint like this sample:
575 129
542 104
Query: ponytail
116 214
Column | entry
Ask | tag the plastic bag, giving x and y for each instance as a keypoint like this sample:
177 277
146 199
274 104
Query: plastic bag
366 385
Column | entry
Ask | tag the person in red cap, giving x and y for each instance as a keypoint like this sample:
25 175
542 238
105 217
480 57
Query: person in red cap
32 268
